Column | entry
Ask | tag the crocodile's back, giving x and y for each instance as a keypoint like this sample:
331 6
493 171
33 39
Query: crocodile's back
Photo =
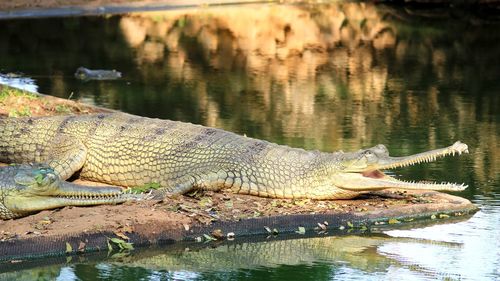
129 150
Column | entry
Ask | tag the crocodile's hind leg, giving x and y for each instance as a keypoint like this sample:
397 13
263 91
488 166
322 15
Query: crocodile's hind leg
181 185
188 183
65 155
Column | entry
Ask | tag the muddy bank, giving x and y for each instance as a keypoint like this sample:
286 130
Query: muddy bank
54 8
212 216
182 214
44 4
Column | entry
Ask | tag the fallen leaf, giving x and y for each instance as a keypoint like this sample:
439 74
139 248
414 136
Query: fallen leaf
217 233
209 238
69 249
393 221
301 230
121 235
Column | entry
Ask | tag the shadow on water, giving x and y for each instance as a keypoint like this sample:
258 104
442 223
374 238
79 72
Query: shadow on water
328 77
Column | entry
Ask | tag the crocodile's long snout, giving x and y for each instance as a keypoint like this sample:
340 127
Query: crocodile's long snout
365 177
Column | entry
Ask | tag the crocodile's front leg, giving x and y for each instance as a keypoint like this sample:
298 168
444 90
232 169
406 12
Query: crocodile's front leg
66 156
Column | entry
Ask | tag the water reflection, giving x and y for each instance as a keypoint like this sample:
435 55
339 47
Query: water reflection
326 256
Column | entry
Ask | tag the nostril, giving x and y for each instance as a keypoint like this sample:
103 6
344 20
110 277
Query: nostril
381 146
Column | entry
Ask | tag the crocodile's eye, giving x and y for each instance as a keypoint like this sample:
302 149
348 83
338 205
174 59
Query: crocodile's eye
50 177
370 155
43 177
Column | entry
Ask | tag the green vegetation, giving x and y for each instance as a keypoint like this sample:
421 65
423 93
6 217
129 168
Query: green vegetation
6 92
19 103
62 109
146 187
21 112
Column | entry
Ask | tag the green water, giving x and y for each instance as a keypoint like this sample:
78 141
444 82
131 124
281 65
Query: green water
330 77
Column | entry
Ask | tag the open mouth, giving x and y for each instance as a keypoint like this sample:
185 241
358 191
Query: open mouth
374 174
375 178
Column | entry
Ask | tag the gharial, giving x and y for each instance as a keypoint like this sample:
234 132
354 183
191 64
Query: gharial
26 189
127 150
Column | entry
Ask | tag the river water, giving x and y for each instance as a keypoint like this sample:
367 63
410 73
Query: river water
338 76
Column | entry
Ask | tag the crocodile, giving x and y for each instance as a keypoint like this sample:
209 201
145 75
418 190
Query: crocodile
127 150
26 189
86 74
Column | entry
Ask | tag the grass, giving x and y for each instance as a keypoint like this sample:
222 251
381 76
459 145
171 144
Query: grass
6 92
19 103
21 106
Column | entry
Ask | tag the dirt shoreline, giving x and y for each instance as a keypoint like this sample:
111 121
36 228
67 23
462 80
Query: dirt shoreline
96 4
23 8
179 215
44 4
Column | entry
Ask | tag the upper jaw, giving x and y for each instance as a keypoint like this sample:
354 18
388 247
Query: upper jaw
390 162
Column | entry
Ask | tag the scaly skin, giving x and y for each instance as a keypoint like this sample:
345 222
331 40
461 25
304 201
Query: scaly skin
25 189
127 150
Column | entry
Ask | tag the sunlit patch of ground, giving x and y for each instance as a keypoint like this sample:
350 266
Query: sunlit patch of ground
18 103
